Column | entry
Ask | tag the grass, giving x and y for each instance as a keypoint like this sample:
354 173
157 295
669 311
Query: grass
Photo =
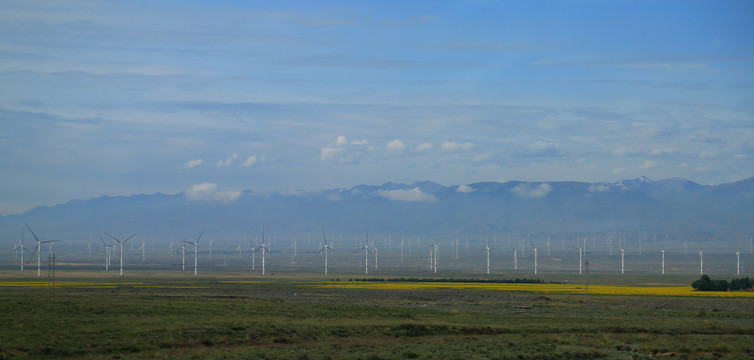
215 317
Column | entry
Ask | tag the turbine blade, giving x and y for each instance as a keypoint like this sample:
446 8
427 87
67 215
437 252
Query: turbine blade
129 238
32 232
113 237
200 236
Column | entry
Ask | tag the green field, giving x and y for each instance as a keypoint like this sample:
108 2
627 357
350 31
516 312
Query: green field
238 316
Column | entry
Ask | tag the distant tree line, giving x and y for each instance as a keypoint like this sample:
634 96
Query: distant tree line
706 284
490 281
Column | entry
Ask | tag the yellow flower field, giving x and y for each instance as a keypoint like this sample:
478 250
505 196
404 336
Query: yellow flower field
539 288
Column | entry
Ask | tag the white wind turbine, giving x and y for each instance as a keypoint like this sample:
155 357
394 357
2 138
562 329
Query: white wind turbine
143 249
121 249
701 262
196 250
20 247
265 251
38 250
107 253
663 260
535 255
433 254
515 258
487 250
325 249
182 249
210 249
403 239
738 263
621 261
366 254
89 247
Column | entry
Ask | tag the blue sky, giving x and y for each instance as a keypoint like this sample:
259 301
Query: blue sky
127 97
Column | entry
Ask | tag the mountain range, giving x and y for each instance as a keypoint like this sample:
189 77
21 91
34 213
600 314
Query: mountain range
673 207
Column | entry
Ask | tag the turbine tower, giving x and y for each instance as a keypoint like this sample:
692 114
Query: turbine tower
535 255
265 251
621 262
121 249
325 249
663 260
433 255
107 253
196 250
366 253
38 250
701 262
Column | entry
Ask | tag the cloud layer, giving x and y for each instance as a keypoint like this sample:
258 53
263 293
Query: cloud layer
123 99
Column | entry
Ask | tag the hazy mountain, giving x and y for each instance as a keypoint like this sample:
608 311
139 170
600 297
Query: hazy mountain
673 206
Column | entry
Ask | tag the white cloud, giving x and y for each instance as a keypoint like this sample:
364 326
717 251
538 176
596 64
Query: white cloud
526 190
359 142
329 153
465 189
456 146
251 160
599 188
739 156
424 146
227 161
209 192
396 145
683 165
412 195
704 154
619 170
648 164
660 151
701 169
623 151
193 163
478 158
340 141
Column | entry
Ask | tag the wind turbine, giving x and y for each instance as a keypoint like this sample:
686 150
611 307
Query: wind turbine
265 251
182 249
738 263
701 262
663 260
487 250
196 250
38 250
107 253
143 249
433 254
621 261
210 249
21 249
121 249
366 253
89 247
325 249
402 240
535 255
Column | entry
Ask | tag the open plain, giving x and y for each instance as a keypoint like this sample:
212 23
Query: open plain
236 315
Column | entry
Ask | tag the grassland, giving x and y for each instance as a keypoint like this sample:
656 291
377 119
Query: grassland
155 315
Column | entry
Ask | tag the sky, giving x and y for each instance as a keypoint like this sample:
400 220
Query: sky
215 97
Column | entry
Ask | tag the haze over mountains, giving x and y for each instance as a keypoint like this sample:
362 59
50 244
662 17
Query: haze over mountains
674 207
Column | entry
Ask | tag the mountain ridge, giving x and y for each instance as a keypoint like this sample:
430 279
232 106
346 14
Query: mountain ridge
670 206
